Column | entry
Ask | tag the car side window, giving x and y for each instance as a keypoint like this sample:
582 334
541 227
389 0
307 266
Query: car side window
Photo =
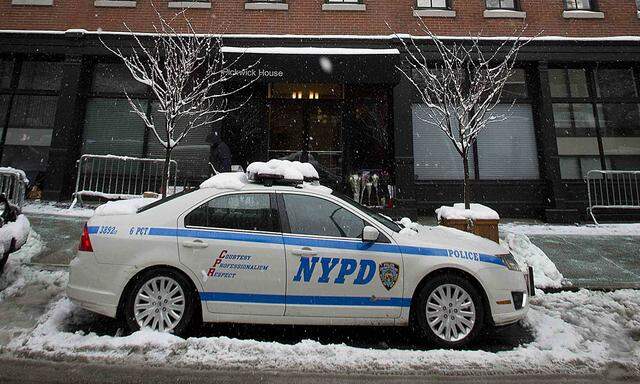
309 215
246 211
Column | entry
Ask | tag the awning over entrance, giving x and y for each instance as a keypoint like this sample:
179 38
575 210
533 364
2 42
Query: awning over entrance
317 64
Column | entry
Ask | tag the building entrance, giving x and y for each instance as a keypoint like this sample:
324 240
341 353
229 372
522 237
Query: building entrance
305 124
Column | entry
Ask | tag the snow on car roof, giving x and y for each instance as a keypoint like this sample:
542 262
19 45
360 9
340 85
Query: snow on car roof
288 171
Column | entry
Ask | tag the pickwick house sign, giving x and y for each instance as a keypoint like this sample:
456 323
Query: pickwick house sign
255 72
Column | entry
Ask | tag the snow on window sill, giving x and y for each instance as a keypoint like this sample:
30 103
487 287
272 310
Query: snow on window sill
114 3
504 14
31 2
434 13
189 4
583 15
343 7
267 6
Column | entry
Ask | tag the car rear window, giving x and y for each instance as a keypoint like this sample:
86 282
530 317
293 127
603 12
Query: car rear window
166 199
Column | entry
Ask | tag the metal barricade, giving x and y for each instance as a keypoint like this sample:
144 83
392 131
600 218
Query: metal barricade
612 190
120 177
13 184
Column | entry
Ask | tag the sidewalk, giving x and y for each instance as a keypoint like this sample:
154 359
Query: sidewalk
594 262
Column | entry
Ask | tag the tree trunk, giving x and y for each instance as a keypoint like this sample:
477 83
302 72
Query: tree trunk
167 172
466 186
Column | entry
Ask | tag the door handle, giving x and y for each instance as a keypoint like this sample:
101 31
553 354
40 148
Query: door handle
306 251
195 244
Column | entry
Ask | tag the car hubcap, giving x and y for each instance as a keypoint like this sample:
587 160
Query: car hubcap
159 304
450 312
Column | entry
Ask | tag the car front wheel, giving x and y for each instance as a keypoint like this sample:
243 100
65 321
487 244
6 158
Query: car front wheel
161 300
449 311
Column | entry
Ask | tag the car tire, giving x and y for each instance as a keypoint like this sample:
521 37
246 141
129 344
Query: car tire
174 295
435 306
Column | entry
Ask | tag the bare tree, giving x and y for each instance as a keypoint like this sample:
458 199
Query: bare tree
188 76
461 88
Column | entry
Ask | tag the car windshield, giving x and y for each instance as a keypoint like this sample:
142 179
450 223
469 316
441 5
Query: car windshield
375 215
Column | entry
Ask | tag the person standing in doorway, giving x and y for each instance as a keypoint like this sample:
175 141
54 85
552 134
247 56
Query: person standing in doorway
219 153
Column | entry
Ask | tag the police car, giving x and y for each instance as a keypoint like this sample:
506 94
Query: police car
268 252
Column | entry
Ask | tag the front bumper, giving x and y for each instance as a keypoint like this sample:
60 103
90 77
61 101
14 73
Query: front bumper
503 287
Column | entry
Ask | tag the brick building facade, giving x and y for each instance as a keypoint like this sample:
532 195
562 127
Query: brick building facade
576 90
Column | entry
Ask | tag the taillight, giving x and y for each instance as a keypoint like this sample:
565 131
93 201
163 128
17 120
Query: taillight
85 241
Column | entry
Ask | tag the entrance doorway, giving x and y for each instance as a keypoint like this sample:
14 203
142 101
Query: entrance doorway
305 124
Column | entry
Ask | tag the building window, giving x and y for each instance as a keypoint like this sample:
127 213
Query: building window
109 126
274 5
344 5
596 113
502 4
506 150
434 4
28 101
583 5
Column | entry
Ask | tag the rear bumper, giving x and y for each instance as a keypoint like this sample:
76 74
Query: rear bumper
96 287
91 300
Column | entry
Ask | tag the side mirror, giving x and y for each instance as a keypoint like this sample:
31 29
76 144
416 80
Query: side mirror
370 234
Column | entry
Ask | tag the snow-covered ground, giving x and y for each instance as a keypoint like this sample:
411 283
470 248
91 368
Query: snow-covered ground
573 332
582 332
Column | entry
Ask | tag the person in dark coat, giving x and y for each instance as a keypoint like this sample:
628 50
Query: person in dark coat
219 153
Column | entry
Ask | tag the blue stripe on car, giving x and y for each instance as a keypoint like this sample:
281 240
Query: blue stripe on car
256 298
309 242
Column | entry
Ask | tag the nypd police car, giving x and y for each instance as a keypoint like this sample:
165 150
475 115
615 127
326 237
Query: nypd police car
276 253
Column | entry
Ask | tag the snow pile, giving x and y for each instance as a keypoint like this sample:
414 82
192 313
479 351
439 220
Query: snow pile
123 207
227 180
18 230
545 272
457 212
289 170
18 274
574 332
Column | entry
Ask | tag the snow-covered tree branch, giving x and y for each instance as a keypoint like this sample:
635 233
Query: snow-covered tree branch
188 76
461 87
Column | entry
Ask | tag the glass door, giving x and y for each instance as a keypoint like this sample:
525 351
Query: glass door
305 123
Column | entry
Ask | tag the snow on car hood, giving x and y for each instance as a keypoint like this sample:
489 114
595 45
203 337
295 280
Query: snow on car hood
447 238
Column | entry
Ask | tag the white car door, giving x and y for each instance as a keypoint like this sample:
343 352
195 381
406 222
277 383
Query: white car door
234 244
331 271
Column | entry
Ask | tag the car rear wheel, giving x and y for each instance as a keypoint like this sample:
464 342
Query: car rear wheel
161 300
449 311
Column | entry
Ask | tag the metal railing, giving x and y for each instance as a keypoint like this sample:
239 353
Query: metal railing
120 177
612 190
13 184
